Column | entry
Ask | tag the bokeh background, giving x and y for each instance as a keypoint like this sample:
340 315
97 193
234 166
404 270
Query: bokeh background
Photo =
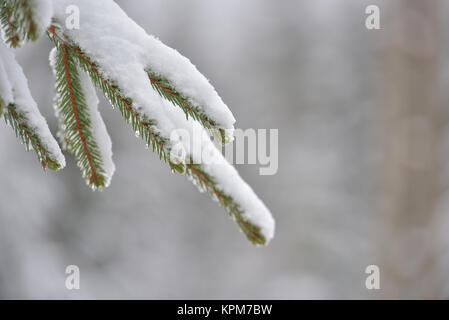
363 146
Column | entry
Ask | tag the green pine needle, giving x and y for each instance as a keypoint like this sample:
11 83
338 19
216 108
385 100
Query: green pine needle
19 122
205 182
140 123
167 91
76 131
17 18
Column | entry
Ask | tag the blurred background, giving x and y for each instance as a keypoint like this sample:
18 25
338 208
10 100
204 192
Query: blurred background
363 146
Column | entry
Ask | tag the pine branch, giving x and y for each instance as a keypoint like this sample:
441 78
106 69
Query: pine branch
147 130
205 182
74 118
166 90
18 21
20 124
22 114
142 126
8 25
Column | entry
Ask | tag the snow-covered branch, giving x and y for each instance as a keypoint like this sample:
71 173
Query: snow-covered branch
24 20
82 130
157 91
21 112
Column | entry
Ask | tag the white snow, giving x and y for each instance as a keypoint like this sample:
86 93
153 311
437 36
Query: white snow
98 127
123 50
105 28
25 104
226 176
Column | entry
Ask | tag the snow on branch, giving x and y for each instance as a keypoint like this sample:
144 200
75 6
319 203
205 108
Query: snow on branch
119 67
22 114
165 89
212 173
122 40
142 121
156 89
82 130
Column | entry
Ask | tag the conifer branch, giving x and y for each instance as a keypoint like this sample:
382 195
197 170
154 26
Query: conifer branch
141 124
147 130
75 123
20 124
8 26
22 114
205 182
167 91
18 21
